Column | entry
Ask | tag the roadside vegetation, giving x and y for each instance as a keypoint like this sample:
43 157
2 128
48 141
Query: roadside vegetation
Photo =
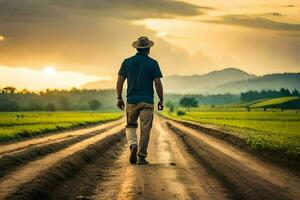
17 125
271 131
276 129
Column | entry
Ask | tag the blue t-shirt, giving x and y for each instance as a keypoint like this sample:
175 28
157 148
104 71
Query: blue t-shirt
140 70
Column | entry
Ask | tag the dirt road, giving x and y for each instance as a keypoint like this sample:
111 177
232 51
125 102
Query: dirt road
184 164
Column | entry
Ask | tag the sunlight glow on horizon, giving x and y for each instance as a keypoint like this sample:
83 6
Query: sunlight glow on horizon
48 71
162 34
47 78
2 38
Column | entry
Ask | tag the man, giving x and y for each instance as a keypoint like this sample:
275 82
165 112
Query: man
140 71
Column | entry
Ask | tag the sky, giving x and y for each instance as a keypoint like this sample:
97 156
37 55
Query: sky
87 40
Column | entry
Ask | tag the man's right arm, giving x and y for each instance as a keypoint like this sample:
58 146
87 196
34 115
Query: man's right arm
160 92
121 79
119 88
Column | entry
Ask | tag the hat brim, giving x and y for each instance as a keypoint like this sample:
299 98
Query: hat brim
135 45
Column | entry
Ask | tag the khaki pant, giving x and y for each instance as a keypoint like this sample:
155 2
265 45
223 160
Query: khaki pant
145 112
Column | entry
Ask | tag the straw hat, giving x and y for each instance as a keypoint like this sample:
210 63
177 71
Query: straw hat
142 43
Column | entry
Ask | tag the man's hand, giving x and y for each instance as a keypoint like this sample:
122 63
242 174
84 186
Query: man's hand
119 88
160 105
121 104
160 93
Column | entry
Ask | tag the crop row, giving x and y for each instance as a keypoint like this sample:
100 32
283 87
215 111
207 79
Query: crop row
27 124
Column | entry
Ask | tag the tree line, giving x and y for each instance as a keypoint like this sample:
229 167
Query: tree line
265 94
55 100
12 99
190 101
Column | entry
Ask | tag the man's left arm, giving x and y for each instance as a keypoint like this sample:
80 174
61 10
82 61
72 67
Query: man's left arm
160 93
157 75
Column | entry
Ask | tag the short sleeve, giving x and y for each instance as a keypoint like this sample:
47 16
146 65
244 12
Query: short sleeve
122 71
157 73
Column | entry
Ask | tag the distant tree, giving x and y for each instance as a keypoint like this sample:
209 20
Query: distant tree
24 91
249 96
33 106
295 92
61 100
74 89
264 94
216 99
50 107
7 105
188 102
48 91
180 113
94 104
9 90
170 105
64 103
248 108
285 92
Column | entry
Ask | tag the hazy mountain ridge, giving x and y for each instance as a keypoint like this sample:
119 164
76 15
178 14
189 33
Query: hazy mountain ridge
270 81
203 83
230 80
104 84
187 84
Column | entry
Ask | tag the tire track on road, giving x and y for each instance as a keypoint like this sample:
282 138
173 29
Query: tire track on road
171 174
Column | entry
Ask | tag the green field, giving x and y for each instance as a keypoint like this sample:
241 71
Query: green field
18 125
273 102
285 103
271 131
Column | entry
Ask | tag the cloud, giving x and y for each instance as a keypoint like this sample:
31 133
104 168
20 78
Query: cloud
32 10
84 44
85 35
272 5
269 14
275 14
289 6
94 36
25 8
294 35
255 22
136 9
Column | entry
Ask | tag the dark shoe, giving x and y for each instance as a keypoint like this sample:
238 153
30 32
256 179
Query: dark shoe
133 150
142 161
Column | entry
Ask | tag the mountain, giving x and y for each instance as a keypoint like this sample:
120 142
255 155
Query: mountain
270 81
228 80
188 84
204 83
104 84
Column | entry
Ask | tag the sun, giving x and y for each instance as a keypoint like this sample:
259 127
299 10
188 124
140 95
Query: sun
2 37
48 71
